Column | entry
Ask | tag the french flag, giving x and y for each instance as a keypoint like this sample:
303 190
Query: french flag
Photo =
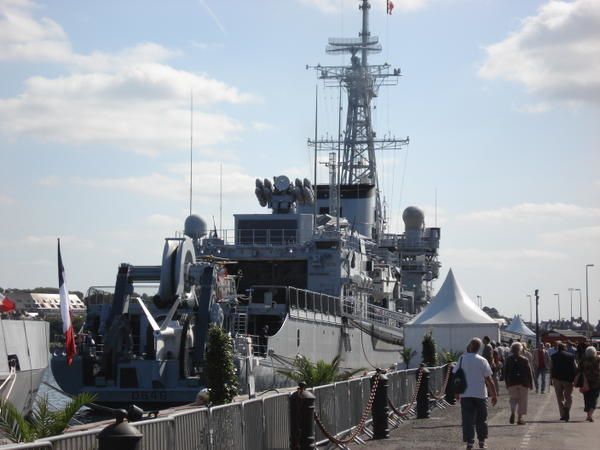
6 304
65 311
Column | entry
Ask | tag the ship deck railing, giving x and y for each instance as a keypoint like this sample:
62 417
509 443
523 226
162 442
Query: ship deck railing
275 237
316 306
361 310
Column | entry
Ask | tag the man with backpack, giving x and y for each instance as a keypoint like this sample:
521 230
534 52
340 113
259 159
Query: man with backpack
472 375
563 373
519 380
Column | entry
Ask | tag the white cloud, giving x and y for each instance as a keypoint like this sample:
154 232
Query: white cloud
555 54
25 38
535 108
538 211
36 241
131 98
506 258
175 184
5 199
582 236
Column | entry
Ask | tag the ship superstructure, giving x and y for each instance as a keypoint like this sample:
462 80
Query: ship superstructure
316 276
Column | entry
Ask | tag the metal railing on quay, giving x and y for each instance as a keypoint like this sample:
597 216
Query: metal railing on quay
262 423
226 427
80 440
191 430
157 433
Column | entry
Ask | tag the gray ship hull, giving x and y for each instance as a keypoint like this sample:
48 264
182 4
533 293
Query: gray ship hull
317 340
25 343
322 337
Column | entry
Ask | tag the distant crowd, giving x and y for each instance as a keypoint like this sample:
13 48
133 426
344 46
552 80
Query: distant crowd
478 377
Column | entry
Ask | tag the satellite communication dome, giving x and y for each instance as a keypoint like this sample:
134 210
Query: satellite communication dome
194 227
414 218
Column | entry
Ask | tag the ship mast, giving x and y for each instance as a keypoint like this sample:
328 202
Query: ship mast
361 82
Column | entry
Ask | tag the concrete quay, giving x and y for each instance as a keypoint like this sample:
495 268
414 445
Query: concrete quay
543 430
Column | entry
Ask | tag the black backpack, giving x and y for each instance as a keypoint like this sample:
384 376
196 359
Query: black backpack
459 381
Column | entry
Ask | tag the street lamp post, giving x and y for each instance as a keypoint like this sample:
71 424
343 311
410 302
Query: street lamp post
558 303
587 302
580 314
530 309
571 292
537 321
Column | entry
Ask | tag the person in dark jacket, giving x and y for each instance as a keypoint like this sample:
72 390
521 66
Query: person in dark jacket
590 367
519 381
564 369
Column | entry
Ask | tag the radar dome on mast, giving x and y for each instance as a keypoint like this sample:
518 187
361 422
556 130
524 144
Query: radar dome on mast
194 227
414 218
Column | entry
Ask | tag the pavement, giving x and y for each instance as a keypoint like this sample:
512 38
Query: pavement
543 430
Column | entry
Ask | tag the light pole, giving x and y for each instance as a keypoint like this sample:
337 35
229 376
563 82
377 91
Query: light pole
479 302
537 319
587 302
580 315
558 303
571 292
530 309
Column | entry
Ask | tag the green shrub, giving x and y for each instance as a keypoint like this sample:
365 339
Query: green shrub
220 371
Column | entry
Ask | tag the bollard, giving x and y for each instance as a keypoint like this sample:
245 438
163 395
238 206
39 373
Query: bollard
423 394
302 424
450 397
119 435
379 410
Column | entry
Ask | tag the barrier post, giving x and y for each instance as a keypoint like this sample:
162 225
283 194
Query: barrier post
380 408
302 425
423 393
119 435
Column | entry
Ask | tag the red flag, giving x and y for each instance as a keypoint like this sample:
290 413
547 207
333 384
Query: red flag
65 311
389 7
6 304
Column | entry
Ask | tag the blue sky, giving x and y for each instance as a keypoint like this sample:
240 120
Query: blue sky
500 99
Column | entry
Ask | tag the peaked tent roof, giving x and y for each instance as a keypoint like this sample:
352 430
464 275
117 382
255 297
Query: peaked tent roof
518 326
451 306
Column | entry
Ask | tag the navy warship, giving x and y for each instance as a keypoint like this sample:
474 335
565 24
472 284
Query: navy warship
316 276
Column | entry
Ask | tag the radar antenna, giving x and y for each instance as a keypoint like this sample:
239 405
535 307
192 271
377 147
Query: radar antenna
361 82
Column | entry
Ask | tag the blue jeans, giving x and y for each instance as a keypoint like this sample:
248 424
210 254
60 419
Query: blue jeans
542 373
474 418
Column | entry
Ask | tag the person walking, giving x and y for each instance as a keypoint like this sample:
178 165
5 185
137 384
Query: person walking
519 381
563 371
473 401
590 369
541 364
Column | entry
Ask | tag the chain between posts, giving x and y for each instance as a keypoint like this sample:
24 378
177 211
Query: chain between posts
361 424
404 412
444 384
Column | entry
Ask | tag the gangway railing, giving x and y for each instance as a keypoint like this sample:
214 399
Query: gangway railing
357 309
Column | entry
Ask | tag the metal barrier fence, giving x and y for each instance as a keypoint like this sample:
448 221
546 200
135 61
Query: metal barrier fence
252 424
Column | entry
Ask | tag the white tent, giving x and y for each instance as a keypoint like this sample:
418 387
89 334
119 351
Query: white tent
517 326
453 319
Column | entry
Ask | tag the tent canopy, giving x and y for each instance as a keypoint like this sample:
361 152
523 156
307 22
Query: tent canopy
517 326
452 318
451 306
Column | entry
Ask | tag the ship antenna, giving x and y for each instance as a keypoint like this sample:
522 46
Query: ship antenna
191 144
436 206
315 175
221 198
